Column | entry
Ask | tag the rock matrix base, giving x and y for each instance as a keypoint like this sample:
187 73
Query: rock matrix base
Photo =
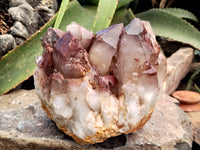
24 125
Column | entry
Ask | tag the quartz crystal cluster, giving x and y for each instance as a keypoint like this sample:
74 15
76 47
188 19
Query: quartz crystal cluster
98 86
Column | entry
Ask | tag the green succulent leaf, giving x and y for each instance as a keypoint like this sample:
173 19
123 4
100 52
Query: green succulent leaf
123 2
90 2
123 15
19 64
84 16
61 13
182 13
197 88
167 25
105 12
191 79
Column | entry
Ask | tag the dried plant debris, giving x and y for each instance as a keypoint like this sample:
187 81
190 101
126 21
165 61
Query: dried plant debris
5 19
98 86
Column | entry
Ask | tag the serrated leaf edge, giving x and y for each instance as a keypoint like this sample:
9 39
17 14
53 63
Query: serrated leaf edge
159 9
182 10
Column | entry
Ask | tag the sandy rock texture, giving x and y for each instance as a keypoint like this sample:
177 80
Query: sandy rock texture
178 66
24 125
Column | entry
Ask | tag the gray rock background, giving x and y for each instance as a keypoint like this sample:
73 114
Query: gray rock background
24 125
29 16
7 41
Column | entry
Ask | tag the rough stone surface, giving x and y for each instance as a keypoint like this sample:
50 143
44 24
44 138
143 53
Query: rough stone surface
24 125
14 3
19 40
169 128
33 3
51 4
47 9
19 30
29 16
7 42
45 12
25 14
178 66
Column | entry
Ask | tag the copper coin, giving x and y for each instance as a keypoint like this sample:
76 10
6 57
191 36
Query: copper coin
190 107
188 97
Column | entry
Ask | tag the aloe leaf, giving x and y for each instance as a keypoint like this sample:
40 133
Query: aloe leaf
170 26
19 64
61 13
105 12
88 13
84 16
123 2
182 13
197 88
190 81
95 2
123 15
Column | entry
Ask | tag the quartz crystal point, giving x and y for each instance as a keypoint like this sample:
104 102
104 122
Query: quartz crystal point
96 87
83 35
104 47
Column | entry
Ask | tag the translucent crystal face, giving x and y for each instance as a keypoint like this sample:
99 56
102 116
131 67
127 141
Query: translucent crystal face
98 86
